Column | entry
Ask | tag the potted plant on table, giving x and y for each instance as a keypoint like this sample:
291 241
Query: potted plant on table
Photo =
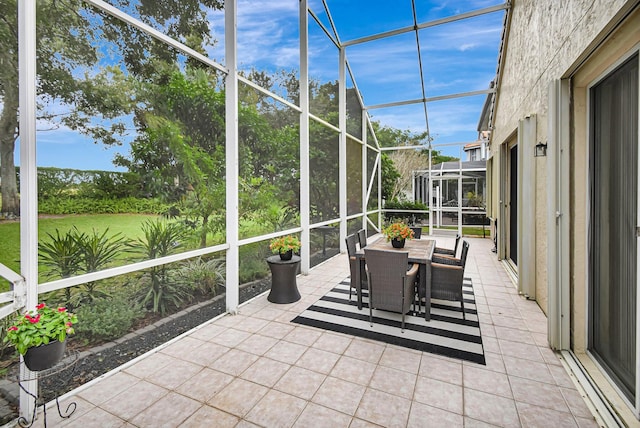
397 233
285 246
40 335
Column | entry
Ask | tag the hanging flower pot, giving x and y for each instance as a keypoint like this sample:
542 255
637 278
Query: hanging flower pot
40 335
45 356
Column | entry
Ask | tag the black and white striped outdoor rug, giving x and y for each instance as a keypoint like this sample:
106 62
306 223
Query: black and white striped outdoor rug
446 334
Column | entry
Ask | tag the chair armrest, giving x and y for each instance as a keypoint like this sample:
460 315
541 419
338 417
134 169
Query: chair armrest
445 260
439 250
414 269
446 266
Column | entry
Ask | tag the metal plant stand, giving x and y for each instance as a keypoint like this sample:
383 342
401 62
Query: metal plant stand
64 369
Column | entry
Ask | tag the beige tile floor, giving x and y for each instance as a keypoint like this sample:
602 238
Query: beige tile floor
257 369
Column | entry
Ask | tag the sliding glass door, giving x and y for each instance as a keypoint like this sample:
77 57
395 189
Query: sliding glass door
613 225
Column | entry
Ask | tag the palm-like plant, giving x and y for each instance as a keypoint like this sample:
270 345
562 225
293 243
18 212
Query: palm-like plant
98 252
61 253
76 252
161 238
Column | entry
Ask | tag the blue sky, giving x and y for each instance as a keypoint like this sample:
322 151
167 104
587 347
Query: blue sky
456 57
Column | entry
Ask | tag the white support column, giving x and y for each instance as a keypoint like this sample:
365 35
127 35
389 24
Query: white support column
342 145
365 175
460 195
28 174
430 195
558 218
305 204
231 142
380 215
527 207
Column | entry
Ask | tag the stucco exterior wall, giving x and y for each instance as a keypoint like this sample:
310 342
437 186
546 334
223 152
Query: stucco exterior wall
546 40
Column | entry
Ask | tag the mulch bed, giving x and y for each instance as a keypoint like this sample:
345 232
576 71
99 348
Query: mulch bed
94 363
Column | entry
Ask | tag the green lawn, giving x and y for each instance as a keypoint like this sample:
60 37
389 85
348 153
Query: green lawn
127 224
470 230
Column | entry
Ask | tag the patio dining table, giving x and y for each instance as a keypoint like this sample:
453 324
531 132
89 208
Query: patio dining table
420 251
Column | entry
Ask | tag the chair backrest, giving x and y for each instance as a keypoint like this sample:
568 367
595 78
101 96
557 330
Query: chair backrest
351 245
386 271
362 238
417 232
455 247
463 254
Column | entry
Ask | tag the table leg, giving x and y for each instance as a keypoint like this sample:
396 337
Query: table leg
360 262
425 278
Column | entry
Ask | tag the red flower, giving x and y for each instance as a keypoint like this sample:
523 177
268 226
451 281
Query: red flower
33 320
40 306
13 328
69 324
61 309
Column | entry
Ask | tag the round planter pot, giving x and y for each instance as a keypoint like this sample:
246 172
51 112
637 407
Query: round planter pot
397 243
286 255
45 356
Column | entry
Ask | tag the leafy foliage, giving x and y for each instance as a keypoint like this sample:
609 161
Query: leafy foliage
397 231
408 216
70 205
159 290
98 251
390 176
284 244
108 318
207 276
71 36
61 253
39 327
76 252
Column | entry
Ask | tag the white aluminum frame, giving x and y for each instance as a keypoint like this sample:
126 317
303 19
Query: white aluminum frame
26 287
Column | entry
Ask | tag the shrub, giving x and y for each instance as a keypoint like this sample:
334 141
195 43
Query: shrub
204 275
107 318
407 217
5 345
253 263
80 205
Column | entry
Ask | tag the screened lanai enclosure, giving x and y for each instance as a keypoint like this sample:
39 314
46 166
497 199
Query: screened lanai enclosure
455 193
160 146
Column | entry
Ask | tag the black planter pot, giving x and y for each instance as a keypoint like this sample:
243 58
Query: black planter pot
286 255
397 243
45 356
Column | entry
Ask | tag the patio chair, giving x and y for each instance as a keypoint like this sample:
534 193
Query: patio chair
354 264
447 275
440 250
417 232
362 238
391 285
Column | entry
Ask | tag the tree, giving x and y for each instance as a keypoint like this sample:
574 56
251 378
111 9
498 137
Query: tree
437 157
63 45
71 37
390 176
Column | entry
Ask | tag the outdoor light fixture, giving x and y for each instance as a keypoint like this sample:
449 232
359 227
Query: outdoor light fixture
541 149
